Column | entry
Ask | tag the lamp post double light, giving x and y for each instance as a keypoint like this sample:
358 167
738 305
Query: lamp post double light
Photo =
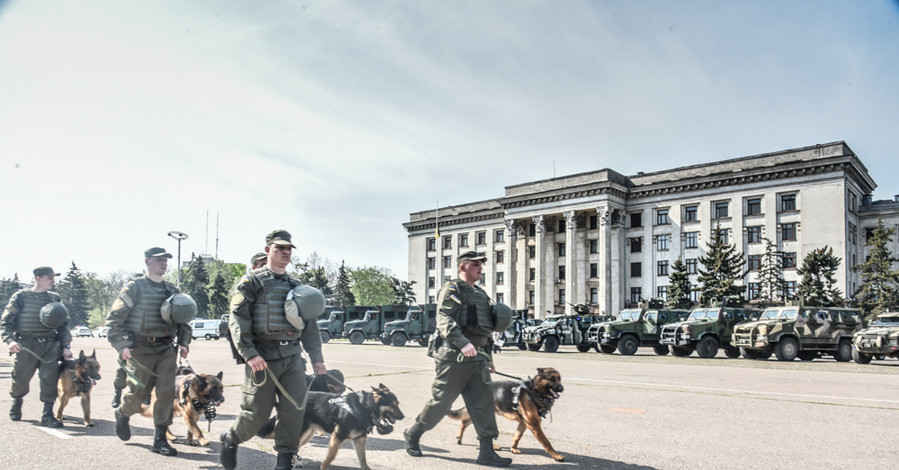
178 236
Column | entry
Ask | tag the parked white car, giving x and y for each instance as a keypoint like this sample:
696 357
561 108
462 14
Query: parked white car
101 331
80 331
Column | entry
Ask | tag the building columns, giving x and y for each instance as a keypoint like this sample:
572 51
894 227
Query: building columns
512 263
540 276
604 216
571 264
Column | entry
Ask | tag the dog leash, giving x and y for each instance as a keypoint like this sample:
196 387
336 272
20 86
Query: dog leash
461 357
123 364
268 375
23 348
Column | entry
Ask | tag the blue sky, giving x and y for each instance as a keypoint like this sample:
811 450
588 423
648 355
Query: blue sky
334 120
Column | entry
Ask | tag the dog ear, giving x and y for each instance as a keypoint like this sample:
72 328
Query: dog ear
382 387
540 370
219 375
94 354
81 355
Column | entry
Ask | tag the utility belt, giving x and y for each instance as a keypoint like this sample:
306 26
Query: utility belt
273 343
151 340
37 339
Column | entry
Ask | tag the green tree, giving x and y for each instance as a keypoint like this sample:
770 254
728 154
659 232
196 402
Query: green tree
818 280
230 271
8 287
218 294
315 277
772 285
403 292
73 292
371 286
722 267
679 286
879 291
343 295
195 282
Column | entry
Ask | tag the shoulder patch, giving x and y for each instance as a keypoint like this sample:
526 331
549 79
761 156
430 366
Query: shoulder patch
452 287
455 299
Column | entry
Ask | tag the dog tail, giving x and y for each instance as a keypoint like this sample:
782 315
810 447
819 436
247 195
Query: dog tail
459 414
268 429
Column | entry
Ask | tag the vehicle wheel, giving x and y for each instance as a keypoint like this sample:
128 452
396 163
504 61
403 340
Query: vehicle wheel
808 355
731 352
707 347
357 337
522 347
383 340
423 342
787 349
208 336
628 345
879 357
844 351
860 358
583 347
606 348
749 353
551 344
681 351
398 339
534 347
325 336
660 349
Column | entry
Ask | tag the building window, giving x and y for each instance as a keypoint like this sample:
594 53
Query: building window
754 206
447 241
499 235
500 298
432 263
754 234
532 230
463 239
636 295
480 238
636 219
721 210
432 299
432 283
789 260
754 290
787 202
691 265
483 279
561 296
724 236
755 262
869 232
662 292
500 256
530 297
447 278
662 242
594 246
662 267
562 226
447 261
636 269
532 252
691 240
853 233
532 274
636 245
594 295
499 278
662 217
790 290
594 222
561 249
561 273
432 245
691 213
788 232
594 270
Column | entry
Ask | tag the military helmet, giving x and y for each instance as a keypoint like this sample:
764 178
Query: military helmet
502 316
304 303
178 308
54 315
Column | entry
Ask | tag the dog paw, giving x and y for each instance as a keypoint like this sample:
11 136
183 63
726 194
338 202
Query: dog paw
515 450
88 425
558 457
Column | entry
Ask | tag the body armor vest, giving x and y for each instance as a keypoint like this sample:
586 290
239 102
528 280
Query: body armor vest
269 319
28 321
145 318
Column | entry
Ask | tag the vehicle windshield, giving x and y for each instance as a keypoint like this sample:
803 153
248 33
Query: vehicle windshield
700 314
368 316
789 313
551 320
332 316
771 314
629 315
886 320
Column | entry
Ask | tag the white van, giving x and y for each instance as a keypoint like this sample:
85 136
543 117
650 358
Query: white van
206 328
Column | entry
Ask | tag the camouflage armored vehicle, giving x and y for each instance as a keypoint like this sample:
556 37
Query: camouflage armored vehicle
514 335
418 325
796 331
372 324
558 330
706 330
639 327
332 327
594 333
880 339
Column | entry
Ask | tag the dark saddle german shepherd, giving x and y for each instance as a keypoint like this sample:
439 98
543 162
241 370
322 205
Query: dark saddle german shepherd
196 395
526 402
352 416
77 378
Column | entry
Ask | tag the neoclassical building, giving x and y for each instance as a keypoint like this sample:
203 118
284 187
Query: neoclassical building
608 240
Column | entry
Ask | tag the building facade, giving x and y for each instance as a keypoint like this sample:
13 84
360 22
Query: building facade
608 240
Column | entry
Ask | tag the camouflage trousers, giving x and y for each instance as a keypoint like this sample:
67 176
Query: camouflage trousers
472 381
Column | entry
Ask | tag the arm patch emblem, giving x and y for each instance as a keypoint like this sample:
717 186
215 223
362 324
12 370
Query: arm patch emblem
455 299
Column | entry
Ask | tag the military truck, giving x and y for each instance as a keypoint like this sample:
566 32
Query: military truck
594 333
514 335
558 330
418 325
332 327
372 323
879 340
639 327
789 332
705 331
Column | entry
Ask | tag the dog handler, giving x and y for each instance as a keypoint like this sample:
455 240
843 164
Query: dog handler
35 328
268 338
462 352
141 333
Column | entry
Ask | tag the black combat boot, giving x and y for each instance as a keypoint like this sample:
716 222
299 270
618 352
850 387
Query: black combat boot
229 450
488 456
285 461
160 444
15 411
47 419
412 436
116 397
122 428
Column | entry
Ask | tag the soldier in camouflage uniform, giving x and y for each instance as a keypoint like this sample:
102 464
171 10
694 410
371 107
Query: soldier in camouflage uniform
269 344
22 332
462 352
144 341
258 261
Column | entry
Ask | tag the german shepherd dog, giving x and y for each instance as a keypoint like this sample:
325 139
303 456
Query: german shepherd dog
352 416
196 395
77 378
526 402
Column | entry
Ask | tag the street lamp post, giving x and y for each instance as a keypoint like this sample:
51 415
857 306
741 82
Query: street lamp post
178 236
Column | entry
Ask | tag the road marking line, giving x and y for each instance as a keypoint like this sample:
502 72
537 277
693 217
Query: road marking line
55 433
731 390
